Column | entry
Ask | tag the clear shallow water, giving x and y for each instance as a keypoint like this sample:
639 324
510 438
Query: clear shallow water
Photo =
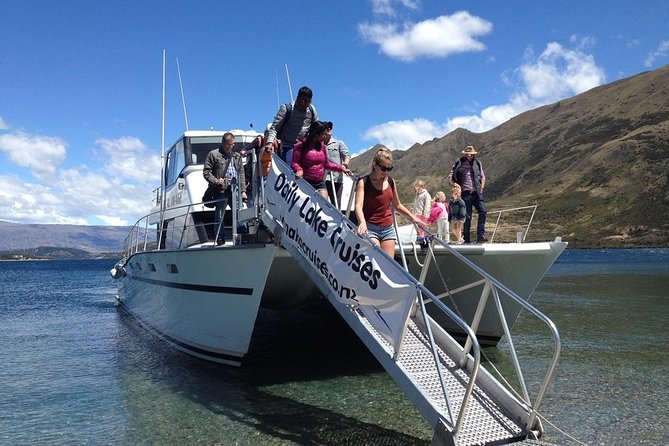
76 370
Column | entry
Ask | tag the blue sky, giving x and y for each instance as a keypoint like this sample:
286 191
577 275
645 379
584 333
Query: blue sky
81 81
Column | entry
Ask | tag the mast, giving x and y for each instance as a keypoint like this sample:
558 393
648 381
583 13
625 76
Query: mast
290 88
183 98
278 103
162 165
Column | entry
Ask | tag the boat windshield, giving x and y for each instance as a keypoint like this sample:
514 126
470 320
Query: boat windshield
199 146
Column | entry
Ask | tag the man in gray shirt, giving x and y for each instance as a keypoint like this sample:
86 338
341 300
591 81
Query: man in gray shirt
338 154
292 122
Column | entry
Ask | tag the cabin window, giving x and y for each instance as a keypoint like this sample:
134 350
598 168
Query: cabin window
175 162
199 146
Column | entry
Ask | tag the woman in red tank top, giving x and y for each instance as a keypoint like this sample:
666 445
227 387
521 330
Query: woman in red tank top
374 195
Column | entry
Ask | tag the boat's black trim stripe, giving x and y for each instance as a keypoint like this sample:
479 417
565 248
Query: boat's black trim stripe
200 351
183 345
194 287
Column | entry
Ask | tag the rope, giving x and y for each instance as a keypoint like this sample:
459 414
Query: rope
539 414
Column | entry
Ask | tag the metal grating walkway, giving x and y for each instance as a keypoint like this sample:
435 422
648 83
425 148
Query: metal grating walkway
485 421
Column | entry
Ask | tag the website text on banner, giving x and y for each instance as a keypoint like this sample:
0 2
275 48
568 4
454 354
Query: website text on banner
354 271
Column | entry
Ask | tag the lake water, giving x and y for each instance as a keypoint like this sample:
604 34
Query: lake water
76 370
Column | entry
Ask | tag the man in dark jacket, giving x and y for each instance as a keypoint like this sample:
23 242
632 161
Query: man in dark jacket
292 122
222 168
468 173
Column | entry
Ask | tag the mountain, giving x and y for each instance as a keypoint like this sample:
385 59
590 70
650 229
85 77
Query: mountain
73 238
595 164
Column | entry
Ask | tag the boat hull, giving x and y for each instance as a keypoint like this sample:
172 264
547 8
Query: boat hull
203 301
519 266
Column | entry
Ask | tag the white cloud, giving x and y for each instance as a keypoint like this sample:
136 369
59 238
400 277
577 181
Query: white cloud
32 203
74 196
112 220
660 52
40 154
387 7
115 190
582 42
438 37
403 134
557 73
129 158
3 124
627 41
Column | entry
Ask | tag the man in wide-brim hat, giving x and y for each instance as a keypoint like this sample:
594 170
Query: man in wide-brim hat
468 173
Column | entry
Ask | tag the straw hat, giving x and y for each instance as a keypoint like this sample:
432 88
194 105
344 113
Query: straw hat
469 150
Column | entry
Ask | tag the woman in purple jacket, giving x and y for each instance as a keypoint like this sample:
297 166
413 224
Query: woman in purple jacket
310 158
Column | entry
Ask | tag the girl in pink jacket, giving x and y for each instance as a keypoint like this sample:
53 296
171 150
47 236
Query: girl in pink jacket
310 158
439 214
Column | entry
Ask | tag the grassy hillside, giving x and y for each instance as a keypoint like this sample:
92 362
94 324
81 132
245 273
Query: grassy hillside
596 164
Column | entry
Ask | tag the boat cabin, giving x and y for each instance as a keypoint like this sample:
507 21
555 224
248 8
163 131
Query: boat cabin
184 183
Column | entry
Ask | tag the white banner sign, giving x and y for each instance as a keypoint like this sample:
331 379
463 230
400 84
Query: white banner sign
347 266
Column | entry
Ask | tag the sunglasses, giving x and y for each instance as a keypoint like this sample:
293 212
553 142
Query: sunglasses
383 168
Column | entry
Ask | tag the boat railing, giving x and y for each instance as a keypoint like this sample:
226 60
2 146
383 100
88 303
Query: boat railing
143 236
516 228
196 229
510 224
490 286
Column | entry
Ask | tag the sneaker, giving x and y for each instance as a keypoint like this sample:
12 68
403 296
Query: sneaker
481 240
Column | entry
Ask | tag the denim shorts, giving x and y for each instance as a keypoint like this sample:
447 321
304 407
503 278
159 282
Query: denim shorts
381 233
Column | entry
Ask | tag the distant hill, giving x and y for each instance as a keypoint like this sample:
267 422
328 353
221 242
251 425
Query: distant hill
71 238
597 164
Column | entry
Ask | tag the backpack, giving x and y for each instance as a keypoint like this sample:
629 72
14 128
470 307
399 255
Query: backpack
289 110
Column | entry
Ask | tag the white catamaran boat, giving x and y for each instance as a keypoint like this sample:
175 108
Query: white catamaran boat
290 245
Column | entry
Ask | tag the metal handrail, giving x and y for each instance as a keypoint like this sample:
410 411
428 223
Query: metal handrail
420 291
499 216
140 230
475 348
130 247
499 213
490 284
495 286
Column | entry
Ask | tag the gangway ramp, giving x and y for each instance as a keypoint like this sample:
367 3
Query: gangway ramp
463 403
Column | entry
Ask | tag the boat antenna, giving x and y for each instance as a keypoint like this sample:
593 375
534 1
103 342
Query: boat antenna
162 136
162 164
289 86
278 102
183 98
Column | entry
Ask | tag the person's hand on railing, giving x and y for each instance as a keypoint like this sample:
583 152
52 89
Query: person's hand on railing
419 223
362 228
